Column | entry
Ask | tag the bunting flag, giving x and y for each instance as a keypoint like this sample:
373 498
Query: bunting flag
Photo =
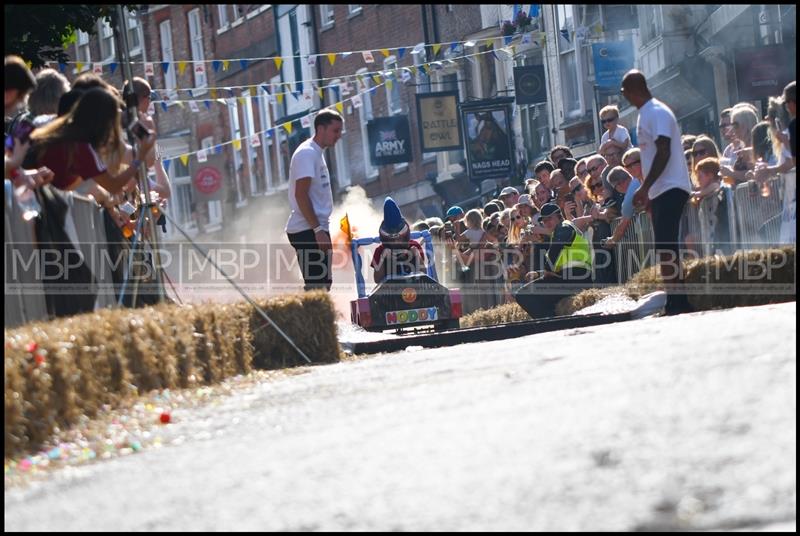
288 127
185 159
436 49
201 156
255 140
213 93
165 66
166 164
280 98
164 106
385 52
389 84
406 76
242 101
62 67
401 52
181 67
218 149
265 88
526 39
199 68
79 66
340 107
216 65
413 69
320 93
113 66
376 78
208 104
237 145
97 68
305 121
193 106
367 55
278 61
243 64
225 64
253 91
565 34
507 39
312 60
181 104
331 58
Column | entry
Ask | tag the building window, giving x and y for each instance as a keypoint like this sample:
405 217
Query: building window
170 83
326 15
196 41
256 182
652 24
567 61
84 52
106 41
214 207
182 202
353 9
236 133
365 115
393 102
342 166
223 16
265 120
134 39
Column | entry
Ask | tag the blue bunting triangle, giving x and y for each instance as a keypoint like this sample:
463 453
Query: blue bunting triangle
208 104
216 65
453 47
218 149
113 66
165 66
401 52
565 34
164 106
507 39
166 165
243 63
265 87
62 67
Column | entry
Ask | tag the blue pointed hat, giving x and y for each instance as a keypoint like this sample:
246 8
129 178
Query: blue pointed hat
393 225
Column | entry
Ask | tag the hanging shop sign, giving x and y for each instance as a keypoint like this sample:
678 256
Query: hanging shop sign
208 179
611 61
529 84
490 145
439 127
389 140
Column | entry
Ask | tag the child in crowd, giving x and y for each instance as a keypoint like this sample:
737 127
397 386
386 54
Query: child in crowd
619 136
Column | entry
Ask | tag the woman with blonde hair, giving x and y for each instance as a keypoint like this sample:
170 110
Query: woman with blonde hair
743 119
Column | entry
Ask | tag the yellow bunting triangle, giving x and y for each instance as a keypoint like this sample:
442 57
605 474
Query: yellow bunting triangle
320 93
279 96
213 93
377 78
29 63
242 100
185 159
426 68
79 66
413 70
389 84
385 52
253 91
225 65
288 127
436 48
181 67
339 107
278 62
237 145
331 58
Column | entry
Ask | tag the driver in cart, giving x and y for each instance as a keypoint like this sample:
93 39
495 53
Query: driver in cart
397 254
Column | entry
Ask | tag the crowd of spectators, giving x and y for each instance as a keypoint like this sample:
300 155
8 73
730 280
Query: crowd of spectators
72 138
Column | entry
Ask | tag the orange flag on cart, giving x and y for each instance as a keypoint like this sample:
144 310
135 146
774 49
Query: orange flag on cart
344 225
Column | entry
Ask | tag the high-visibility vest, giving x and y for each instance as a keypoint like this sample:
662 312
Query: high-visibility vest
576 254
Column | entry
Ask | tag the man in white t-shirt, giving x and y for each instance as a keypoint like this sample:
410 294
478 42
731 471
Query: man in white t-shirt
311 201
666 179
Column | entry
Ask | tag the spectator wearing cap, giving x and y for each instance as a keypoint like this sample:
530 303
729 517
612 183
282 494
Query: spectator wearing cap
568 262
558 152
525 206
614 132
542 171
491 207
509 196
666 183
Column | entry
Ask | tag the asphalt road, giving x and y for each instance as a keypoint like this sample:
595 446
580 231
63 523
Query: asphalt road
684 422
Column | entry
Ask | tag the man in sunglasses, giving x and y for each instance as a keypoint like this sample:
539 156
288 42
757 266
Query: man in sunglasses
666 182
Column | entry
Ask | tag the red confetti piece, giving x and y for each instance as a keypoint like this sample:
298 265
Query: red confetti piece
165 418
31 347
39 358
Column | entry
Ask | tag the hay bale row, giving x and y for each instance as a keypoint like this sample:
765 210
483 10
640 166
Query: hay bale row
58 371
743 269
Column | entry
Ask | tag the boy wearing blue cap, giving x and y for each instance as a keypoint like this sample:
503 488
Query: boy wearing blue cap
397 253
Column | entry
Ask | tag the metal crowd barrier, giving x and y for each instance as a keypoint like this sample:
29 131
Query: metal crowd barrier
759 218
25 294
